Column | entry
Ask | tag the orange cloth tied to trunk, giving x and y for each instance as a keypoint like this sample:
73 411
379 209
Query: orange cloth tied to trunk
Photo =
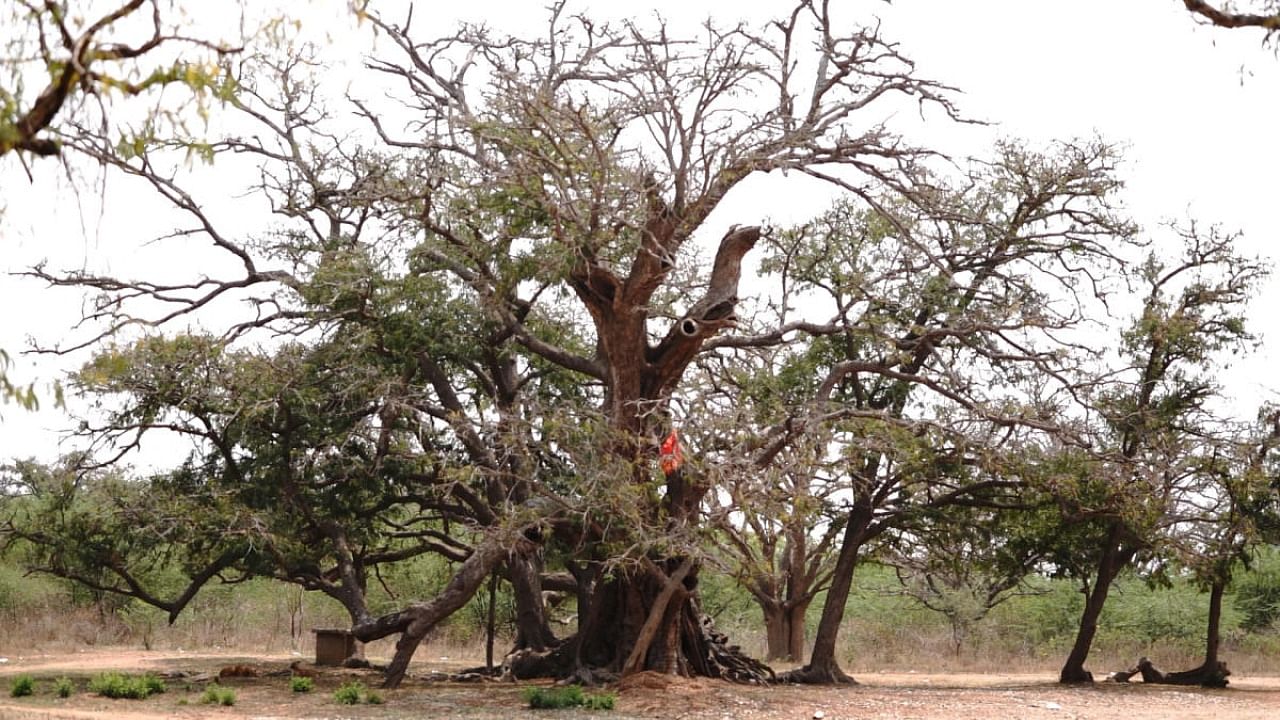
670 457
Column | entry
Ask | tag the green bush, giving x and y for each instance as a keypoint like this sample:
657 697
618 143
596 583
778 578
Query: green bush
64 687
215 694
1257 593
349 693
557 698
600 701
132 687
300 684
353 692
22 686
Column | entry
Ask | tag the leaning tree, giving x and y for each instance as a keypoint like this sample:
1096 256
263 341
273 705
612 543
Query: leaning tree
1152 406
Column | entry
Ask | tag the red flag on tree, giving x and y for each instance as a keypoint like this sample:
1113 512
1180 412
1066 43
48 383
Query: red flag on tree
670 457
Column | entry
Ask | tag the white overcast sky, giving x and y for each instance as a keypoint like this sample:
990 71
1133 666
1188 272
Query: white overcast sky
1198 108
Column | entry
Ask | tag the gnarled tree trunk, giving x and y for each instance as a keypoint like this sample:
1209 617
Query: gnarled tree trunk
533 631
414 622
644 607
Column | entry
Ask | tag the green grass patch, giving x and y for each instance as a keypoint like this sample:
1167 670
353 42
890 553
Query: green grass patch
556 698
300 684
132 687
63 687
22 686
349 693
215 694
354 692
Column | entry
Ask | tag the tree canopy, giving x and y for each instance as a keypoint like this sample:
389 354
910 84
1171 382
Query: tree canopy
498 309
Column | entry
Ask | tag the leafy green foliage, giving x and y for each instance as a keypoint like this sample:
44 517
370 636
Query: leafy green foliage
64 687
215 694
1257 592
133 687
349 693
22 686
567 696
301 684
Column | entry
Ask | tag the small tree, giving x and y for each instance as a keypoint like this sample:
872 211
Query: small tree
1153 409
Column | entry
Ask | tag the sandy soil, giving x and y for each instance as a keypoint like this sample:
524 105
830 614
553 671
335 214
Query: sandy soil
880 695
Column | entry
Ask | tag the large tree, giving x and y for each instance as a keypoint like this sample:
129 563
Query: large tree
553 185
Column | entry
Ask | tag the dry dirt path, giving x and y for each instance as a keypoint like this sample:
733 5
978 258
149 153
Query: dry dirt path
880 695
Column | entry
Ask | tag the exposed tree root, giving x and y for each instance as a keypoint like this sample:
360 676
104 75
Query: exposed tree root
820 675
714 657
1214 675
1210 675
1075 677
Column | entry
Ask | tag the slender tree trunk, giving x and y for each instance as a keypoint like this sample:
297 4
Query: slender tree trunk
415 621
533 631
1213 637
1113 560
823 668
491 623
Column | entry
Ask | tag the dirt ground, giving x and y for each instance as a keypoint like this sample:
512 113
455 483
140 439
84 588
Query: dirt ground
879 695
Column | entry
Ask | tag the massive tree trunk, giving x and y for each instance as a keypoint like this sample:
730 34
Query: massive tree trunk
1114 559
647 617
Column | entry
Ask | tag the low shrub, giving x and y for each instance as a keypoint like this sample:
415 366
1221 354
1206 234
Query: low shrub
300 684
215 694
22 686
133 687
349 693
556 698
63 687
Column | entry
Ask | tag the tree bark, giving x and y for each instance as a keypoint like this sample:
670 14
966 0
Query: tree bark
784 624
533 631
1213 635
823 668
1212 672
415 621
1114 559
659 613
639 378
